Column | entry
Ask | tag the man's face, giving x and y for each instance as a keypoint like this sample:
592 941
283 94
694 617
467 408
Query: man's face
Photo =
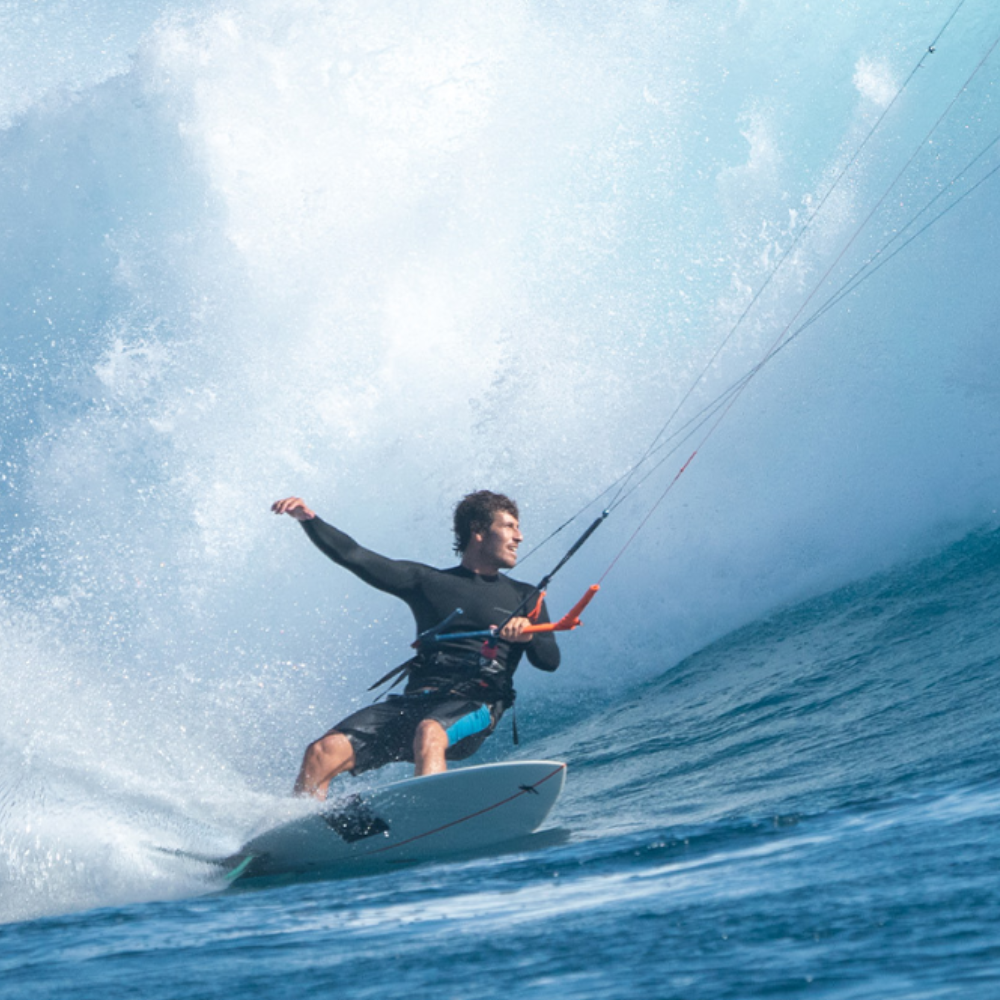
501 539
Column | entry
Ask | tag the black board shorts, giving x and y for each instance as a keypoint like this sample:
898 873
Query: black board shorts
384 732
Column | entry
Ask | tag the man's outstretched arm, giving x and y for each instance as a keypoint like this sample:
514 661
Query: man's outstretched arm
394 576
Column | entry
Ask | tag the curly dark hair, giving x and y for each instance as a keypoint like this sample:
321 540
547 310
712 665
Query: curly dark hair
476 512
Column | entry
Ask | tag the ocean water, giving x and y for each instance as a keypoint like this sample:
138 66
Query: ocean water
380 254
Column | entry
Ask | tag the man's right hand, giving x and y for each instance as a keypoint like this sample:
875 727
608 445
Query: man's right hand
293 507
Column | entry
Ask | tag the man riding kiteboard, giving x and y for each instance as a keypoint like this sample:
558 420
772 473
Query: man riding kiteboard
457 688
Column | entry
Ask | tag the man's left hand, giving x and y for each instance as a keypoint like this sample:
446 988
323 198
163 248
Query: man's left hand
512 631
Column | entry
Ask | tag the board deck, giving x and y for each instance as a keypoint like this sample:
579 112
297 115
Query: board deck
438 816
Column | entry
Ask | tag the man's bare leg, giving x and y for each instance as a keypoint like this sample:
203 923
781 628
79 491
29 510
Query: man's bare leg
429 746
324 759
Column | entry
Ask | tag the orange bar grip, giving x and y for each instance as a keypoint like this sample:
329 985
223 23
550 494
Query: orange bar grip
570 620
533 614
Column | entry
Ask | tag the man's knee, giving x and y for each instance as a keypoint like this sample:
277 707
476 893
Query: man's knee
334 748
431 733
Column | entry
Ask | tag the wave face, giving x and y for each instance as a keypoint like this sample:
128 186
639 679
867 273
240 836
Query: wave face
810 802
378 255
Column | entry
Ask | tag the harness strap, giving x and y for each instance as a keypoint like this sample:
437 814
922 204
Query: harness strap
398 672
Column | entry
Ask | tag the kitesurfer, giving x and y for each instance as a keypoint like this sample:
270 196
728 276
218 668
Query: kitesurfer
455 695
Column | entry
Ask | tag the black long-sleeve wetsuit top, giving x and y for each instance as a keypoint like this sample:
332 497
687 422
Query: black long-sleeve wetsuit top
433 594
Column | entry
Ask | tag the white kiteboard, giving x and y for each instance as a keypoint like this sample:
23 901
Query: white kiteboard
438 816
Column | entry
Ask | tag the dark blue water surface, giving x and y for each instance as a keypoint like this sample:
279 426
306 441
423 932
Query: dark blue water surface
811 804
380 254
